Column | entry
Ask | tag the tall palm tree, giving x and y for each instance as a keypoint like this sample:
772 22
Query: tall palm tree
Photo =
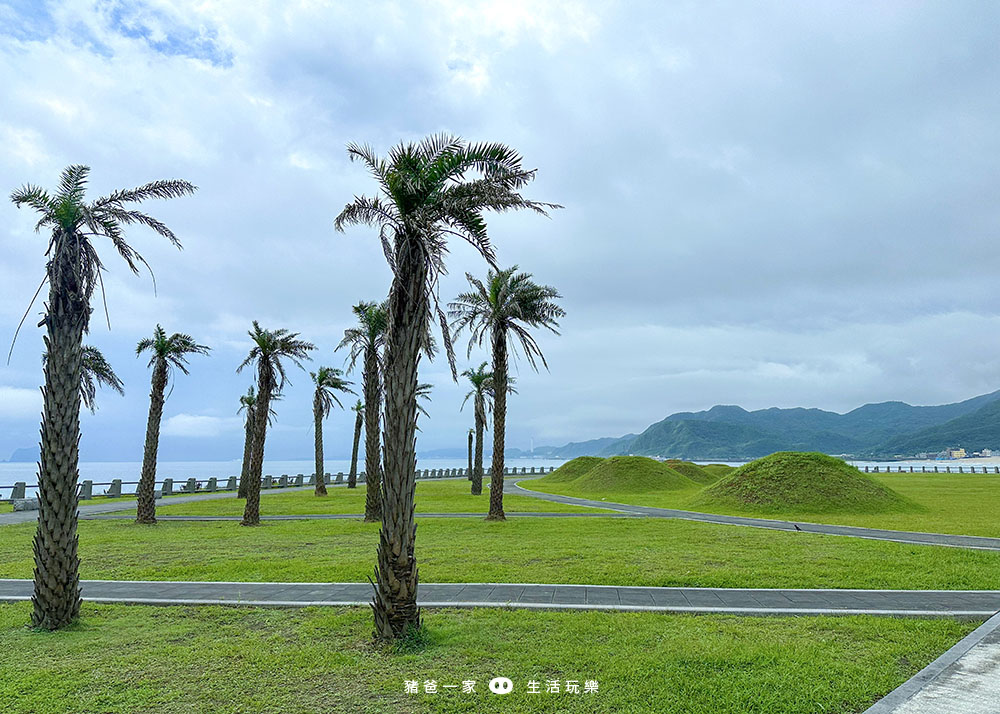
359 411
95 371
73 271
248 404
328 381
366 341
426 197
480 393
166 354
270 347
503 309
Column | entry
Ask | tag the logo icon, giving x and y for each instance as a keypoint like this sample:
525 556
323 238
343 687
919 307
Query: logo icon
501 685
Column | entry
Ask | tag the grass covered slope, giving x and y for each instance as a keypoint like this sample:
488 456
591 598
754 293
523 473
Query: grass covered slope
698 474
618 474
803 483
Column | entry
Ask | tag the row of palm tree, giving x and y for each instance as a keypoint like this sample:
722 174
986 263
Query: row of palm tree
426 197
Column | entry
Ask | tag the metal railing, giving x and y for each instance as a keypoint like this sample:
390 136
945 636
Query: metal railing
178 487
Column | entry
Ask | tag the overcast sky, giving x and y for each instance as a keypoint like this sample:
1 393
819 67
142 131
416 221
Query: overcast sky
766 204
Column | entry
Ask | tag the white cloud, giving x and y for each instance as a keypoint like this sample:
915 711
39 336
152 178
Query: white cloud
19 403
199 426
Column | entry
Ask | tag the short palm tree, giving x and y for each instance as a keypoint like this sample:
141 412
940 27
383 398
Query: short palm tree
95 371
270 347
366 341
481 394
503 309
472 434
426 197
327 381
73 271
248 404
166 353
359 411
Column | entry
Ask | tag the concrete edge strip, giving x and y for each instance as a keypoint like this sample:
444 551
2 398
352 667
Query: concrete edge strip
544 585
706 610
908 689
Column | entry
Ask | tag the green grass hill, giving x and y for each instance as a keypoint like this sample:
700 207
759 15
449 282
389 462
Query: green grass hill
698 474
619 474
717 471
804 483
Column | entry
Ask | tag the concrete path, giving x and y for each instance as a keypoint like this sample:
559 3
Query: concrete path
964 680
913 538
359 516
972 604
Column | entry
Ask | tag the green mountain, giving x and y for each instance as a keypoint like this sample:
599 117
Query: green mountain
728 432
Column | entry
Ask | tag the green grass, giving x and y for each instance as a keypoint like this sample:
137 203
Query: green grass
965 504
431 497
122 659
696 473
794 482
8 508
549 550
620 474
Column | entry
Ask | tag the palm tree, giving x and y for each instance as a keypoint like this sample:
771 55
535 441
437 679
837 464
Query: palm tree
95 370
423 393
472 433
480 393
73 271
248 403
503 309
426 197
270 347
366 341
328 381
167 353
359 410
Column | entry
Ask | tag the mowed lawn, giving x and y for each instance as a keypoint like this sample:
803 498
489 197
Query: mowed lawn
611 551
120 659
445 496
964 504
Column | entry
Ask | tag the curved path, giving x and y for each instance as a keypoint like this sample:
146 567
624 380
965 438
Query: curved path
911 537
972 604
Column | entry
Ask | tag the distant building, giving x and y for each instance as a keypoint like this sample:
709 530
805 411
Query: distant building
958 453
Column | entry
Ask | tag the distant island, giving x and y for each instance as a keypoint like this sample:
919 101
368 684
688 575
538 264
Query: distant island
884 431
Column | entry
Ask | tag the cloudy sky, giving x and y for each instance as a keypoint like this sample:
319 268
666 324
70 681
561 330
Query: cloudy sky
766 204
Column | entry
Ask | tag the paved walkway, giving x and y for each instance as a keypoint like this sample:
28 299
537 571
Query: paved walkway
964 680
739 601
914 538
358 516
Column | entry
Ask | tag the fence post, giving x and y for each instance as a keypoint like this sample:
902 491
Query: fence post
213 484
86 490
231 484
340 477
115 490
283 481
18 491
168 487
192 485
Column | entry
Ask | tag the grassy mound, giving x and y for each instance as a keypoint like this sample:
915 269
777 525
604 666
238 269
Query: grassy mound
698 474
717 471
804 483
631 474
572 470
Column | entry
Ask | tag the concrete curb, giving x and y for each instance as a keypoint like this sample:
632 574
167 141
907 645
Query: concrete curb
908 689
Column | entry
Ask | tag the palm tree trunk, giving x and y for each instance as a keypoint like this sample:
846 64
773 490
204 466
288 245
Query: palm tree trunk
352 478
469 471
56 598
477 474
395 606
373 464
145 496
247 449
318 420
251 513
499 339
